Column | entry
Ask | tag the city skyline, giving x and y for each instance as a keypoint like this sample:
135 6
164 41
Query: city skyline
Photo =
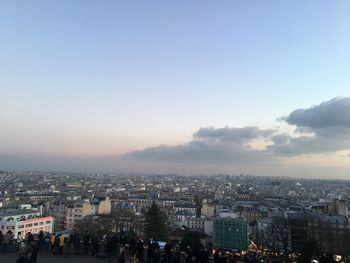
191 88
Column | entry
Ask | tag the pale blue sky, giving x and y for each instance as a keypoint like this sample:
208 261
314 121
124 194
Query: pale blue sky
108 77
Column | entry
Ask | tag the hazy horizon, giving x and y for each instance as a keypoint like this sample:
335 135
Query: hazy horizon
182 87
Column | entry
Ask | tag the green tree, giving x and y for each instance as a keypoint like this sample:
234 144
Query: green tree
155 223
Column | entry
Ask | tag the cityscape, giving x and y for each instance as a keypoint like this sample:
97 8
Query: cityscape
147 131
274 217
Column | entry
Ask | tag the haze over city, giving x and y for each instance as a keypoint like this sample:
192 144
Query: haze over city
183 87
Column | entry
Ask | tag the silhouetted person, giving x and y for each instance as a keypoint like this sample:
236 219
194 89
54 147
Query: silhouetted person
35 249
94 243
30 238
61 243
132 247
41 241
122 257
76 243
1 238
86 241
52 242
156 255
150 250
217 260
188 254
140 250
167 250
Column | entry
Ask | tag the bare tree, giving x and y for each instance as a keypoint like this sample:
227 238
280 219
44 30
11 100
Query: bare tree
277 235
100 224
125 220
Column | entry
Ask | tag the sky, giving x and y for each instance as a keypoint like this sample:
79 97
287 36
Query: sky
191 87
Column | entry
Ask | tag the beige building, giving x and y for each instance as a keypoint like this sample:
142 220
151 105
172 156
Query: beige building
105 207
67 213
203 225
209 210
75 211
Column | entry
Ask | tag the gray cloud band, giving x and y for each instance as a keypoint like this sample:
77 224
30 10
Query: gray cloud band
319 129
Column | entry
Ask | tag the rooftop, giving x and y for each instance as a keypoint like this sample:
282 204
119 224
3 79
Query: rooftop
15 212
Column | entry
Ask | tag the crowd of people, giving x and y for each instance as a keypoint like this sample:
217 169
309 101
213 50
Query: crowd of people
122 248
25 245
117 247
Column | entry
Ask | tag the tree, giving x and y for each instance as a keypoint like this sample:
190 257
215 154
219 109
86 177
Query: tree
193 240
155 223
124 220
99 225
277 235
